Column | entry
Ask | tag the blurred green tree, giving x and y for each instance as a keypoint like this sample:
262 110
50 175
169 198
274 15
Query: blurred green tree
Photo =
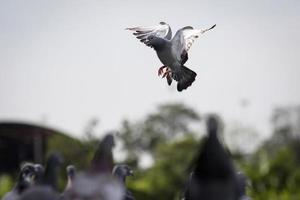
170 121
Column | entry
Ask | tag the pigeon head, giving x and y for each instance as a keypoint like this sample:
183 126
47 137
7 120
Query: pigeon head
71 171
27 173
26 177
122 171
39 173
153 41
213 124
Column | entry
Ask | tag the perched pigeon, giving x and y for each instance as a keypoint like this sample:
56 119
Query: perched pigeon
71 172
97 182
53 165
40 193
102 161
88 186
242 186
45 188
39 174
121 172
25 180
214 176
172 52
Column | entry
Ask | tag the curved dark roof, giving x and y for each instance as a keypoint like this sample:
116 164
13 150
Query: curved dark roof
20 142
12 128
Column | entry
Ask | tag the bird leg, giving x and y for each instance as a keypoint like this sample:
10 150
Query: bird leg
169 78
167 73
160 70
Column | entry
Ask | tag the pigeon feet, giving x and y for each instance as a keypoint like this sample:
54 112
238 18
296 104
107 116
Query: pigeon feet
169 78
161 69
167 73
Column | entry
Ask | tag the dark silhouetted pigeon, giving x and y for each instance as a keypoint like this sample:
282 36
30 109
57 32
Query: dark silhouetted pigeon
97 182
121 172
172 52
25 180
40 193
214 176
102 161
242 181
53 166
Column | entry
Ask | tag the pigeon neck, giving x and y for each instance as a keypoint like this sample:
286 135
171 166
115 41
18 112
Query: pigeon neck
159 44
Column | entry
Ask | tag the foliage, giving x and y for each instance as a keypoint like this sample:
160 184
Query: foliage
166 134
165 180
168 122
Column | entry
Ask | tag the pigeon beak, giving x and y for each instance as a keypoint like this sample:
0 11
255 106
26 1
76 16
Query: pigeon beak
29 178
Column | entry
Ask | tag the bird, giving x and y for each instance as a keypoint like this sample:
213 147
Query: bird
25 180
121 172
214 175
71 172
50 178
172 52
39 174
40 193
97 182
102 161
46 186
242 181
91 186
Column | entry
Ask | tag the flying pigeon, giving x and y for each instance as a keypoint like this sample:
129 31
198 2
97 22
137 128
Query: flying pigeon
121 172
172 52
25 180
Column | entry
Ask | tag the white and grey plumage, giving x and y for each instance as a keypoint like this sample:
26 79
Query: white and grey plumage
25 181
121 172
172 52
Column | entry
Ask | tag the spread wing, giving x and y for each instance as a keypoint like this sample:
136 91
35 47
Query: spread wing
162 30
183 40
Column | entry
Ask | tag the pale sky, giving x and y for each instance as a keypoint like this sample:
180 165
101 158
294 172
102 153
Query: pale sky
64 62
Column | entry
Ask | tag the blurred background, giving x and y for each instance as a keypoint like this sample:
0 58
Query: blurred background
69 73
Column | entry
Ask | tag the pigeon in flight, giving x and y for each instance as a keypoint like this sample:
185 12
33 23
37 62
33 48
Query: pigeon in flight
172 52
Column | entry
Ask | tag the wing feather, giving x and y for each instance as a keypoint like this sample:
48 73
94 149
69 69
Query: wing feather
183 40
162 30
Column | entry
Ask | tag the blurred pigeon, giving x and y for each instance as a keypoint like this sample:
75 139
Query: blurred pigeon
214 176
97 182
25 180
242 186
173 53
45 188
39 174
40 193
121 172
71 172
88 186
102 161
53 165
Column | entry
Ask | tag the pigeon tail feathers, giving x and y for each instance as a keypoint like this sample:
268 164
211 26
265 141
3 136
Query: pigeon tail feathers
185 77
